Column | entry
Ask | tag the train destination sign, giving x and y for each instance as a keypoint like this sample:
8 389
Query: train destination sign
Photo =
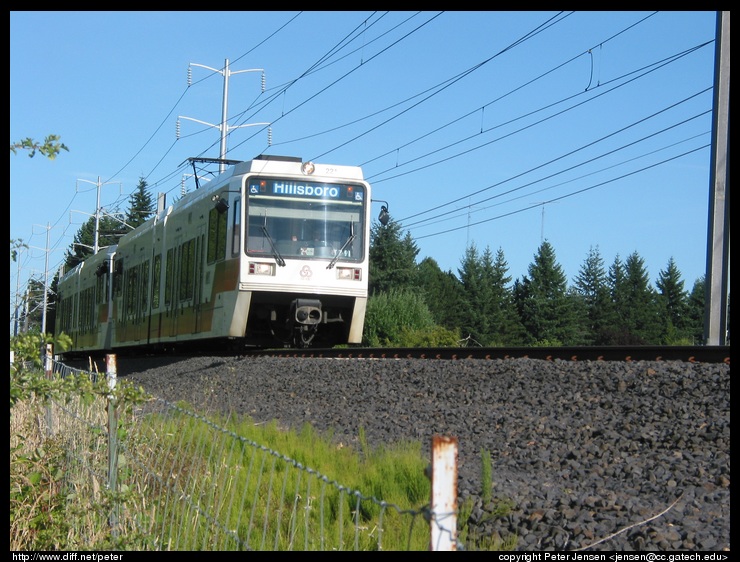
290 188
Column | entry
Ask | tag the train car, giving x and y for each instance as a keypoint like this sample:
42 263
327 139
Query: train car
273 252
84 304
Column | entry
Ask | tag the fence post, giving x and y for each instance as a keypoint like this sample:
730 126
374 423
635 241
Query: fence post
444 494
111 375
48 365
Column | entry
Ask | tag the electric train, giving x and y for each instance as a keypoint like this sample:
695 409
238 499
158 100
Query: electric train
273 252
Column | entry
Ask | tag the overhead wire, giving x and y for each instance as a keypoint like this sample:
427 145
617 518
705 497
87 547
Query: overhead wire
522 129
340 78
467 208
567 195
317 66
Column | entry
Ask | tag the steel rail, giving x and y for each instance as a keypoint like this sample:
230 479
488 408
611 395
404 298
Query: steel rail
694 354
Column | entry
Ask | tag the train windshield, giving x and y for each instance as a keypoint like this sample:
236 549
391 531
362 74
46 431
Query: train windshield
301 219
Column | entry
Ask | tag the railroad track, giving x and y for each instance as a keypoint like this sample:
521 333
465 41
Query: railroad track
699 354
691 354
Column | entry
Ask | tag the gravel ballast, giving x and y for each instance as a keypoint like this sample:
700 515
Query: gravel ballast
602 456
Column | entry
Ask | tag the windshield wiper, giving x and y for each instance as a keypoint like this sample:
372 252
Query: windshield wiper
278 258
352 236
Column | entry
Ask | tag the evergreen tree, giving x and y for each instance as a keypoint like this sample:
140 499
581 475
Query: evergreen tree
673 301
109 231
592 289
547 311
392 259
505 328
141 205
617 332
521 294
474 322
442 292
695 312
640 308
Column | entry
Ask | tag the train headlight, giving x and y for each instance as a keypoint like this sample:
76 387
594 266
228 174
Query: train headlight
259 268
308 168
349 273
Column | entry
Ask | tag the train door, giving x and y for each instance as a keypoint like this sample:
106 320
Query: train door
155 312
172 287
154 324
198 280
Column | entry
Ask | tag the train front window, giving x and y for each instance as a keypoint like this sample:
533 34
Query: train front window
289 219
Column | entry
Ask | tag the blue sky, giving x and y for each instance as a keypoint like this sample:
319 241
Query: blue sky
499 129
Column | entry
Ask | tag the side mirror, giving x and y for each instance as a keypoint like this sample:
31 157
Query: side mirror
221 204
384 217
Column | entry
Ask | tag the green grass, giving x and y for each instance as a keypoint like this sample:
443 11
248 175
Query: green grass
274 489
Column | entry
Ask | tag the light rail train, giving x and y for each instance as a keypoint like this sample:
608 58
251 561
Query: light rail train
273 252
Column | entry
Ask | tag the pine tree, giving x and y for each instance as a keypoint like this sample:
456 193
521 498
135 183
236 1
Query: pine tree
695 312
640 308
141 205
547 313
505 327
442 292
591 287
673 300
474 324
617 332
392 259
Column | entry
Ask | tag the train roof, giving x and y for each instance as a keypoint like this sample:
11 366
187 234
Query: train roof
262 164
102 254
266 163
274 164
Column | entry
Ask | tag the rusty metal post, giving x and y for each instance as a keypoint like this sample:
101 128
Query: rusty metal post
48 368
444 494
112 376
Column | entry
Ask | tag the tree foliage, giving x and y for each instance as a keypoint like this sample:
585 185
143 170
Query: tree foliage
51 147
392 259
414 304
443 294
673 300
592 288
141 205
392 316
543 302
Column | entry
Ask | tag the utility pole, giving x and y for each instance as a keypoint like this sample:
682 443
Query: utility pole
47 251
17 294
46 282
718 236
99 185
223 126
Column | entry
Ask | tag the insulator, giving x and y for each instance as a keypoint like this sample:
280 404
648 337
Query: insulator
177 129
190 75
269 136
263 82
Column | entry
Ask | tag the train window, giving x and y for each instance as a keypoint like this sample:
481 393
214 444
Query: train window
117 277
144 286
305 220
101 289
187 262
216 235
129 295
168 278
236 231
157 270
